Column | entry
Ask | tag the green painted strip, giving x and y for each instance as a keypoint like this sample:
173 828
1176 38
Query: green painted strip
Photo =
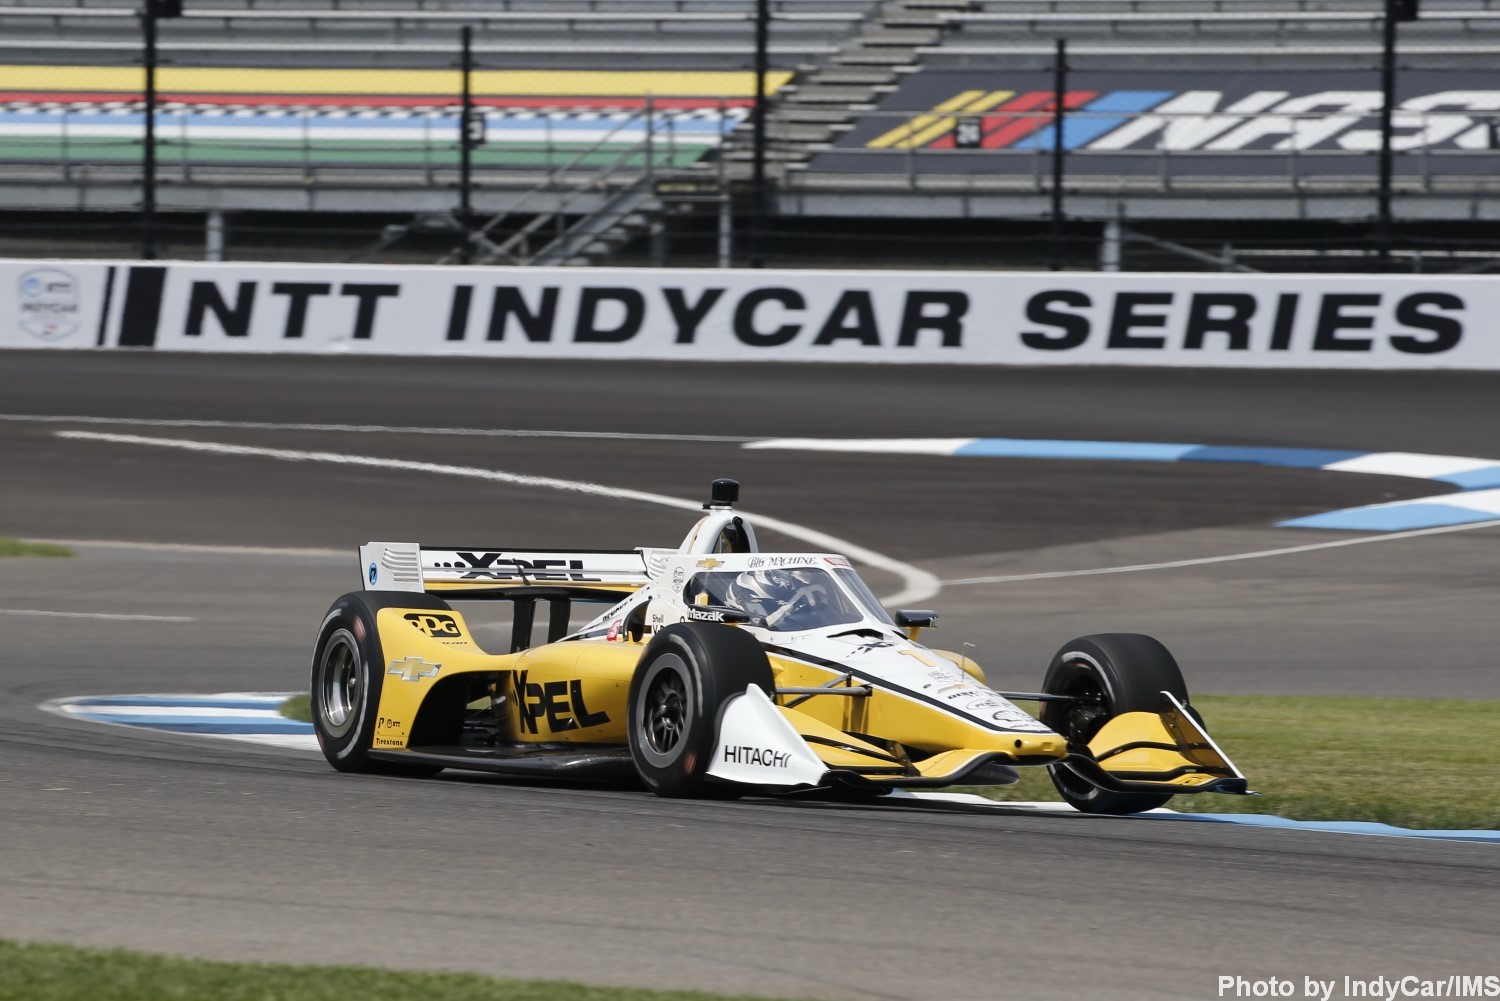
337 153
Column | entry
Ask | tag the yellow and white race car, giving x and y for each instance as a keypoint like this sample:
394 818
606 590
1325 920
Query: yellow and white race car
720 670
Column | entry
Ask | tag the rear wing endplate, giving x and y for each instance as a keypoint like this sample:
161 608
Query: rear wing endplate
407 566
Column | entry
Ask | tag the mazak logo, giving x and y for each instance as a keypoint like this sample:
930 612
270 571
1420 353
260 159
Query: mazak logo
716 615
1195 120
48 304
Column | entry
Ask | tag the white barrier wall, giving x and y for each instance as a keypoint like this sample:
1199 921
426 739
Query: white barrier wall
1029 318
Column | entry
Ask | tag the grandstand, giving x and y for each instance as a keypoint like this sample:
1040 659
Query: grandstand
899 130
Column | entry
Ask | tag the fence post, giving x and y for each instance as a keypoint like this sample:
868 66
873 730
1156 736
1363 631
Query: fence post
465 151
650 136
148 155
726 202
213 236
150 11
758 155
1110 246
1059 97
1395 11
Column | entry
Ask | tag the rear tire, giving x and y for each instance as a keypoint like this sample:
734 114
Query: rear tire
347 675
686 675
1109 674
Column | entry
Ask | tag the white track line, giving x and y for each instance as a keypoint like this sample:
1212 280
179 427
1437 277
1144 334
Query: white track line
1231 558
918 583
172 712
96 615
188 547
368 428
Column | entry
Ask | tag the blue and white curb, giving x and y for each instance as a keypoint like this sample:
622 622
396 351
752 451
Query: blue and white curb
254 717
1477 480
247 716
971 801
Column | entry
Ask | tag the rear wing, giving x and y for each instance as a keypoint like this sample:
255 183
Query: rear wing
603 575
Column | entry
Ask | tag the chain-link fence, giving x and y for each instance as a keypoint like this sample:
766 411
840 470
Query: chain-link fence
1193 133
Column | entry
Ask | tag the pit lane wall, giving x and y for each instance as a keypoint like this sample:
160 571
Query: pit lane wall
1265 321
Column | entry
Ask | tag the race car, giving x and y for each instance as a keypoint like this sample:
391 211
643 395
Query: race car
720 670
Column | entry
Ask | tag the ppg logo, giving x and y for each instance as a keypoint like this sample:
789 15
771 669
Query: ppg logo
435 625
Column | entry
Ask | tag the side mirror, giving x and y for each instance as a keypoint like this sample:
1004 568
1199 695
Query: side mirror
716 613
914 620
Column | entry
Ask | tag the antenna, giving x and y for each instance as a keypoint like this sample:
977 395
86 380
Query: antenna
722 494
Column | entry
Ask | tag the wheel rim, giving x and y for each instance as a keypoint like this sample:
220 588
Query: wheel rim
341 688
1089 711
664 710
667 712
1078 723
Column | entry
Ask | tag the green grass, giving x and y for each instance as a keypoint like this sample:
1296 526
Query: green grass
16 547
298 707
1419 763
64 973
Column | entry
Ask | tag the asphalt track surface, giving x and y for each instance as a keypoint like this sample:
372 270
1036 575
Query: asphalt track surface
209 848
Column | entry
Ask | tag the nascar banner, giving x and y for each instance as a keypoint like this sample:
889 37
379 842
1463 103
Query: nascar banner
1122 123
1267 321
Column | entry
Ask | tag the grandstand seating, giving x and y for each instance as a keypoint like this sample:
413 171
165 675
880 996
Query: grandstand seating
589 35
352 102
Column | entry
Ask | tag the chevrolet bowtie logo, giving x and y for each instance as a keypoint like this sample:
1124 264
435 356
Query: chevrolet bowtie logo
413 669
710 563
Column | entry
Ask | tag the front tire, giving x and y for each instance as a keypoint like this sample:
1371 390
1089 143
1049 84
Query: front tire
1107 674
686 675
347 675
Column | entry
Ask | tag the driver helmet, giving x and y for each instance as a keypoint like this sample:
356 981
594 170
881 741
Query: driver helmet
761 592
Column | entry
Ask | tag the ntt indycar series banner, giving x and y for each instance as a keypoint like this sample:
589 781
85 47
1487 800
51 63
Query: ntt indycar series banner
1268 321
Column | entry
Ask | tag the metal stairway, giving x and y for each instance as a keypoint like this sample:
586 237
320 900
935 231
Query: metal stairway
803 119
626 215
810 114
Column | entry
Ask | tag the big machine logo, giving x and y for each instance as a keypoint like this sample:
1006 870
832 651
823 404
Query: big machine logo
1175 112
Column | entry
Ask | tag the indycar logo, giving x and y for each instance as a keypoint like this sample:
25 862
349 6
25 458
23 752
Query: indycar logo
498 566
49 304
436 625
767 757
414 669
560 702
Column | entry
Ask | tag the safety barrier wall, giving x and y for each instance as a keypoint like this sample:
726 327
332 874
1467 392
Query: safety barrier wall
1264 321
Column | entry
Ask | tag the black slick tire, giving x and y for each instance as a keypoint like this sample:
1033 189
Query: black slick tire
1107 674
687 673
347 675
